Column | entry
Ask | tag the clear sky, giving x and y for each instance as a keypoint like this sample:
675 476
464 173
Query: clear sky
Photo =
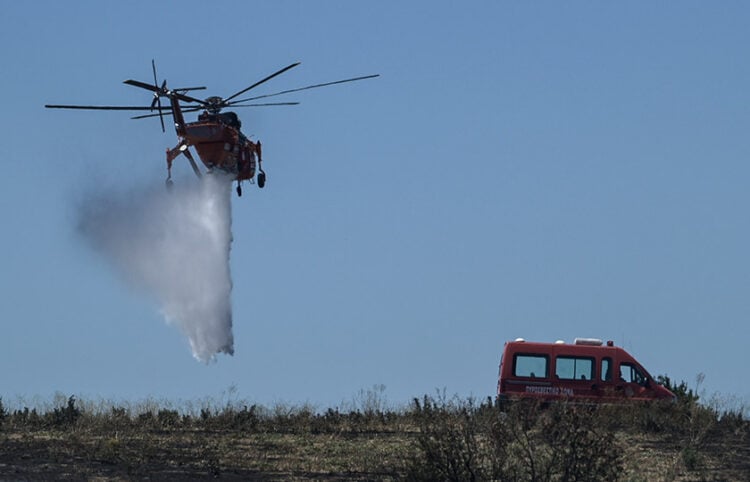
542 170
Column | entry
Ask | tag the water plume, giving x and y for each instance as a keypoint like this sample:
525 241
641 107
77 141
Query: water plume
174 247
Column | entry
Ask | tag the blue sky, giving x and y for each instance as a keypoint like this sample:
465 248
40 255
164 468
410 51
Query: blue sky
537 170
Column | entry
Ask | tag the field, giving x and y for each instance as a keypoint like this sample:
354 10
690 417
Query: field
434 438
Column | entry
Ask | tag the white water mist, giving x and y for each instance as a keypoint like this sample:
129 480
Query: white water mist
174 247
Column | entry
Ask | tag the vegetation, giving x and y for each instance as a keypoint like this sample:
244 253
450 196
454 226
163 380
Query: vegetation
434 438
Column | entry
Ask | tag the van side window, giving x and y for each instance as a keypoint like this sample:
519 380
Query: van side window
630 373
532 366
574 368
606 372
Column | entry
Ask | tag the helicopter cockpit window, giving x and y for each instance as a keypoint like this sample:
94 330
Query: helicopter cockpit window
227 118
231 119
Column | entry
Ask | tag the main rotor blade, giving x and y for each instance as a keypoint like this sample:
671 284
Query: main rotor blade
261 81
152 88
187 98
185 89
153 67
161 114
142 85
156 84
100 107
264 105
196 109
305 88
193 109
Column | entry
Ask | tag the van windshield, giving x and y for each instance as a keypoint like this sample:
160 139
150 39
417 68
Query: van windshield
630 373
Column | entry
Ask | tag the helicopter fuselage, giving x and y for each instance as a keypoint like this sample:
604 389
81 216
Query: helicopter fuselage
221 145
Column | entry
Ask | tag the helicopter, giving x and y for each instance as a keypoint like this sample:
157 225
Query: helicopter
216 135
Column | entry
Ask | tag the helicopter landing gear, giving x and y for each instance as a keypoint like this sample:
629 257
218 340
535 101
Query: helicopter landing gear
261 174
261 179
239 189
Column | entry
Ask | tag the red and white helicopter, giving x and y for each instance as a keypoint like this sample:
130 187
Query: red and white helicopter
216 135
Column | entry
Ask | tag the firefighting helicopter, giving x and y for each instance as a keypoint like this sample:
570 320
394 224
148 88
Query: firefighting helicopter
216 135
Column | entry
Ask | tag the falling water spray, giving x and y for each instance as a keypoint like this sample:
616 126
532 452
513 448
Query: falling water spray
175 248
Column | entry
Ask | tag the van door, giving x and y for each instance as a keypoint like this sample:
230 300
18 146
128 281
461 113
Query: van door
633 381
574 375
605 386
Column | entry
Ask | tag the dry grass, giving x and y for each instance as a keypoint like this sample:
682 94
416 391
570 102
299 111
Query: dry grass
73 440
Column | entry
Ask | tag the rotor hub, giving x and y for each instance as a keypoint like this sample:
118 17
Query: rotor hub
214 104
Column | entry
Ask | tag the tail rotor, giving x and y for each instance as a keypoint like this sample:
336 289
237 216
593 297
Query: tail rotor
157 95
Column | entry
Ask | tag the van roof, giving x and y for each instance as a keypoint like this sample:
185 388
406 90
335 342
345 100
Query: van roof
576 341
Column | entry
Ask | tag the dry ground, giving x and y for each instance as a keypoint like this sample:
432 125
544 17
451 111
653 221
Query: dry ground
184 454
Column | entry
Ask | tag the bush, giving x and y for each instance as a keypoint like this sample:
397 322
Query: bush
168 418
62 417
3 412
448 442
460 441
684 394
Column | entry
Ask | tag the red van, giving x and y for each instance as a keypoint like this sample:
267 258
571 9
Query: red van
585 369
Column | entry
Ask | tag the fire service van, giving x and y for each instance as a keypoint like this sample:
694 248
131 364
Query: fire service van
586 369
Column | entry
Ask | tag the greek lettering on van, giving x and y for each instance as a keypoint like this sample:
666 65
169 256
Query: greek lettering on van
567 392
